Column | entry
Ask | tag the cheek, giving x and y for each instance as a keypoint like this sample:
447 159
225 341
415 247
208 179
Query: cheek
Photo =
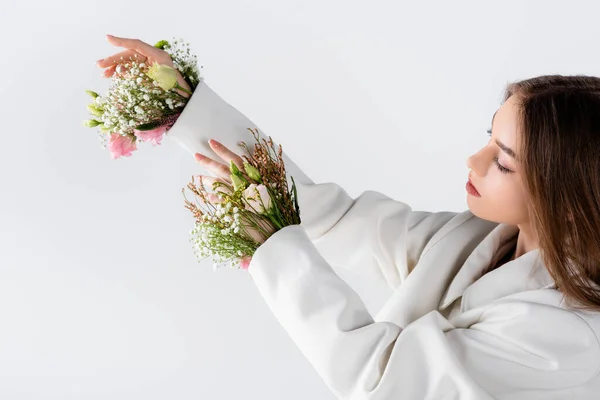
512 195
498 186
502 200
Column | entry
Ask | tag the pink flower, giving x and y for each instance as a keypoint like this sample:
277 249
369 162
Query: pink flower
153 136
120 146
245 262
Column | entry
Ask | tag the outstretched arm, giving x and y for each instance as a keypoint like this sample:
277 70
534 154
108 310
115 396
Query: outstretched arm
207 116
364 227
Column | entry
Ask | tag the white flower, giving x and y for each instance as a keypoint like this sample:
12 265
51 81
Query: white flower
165 76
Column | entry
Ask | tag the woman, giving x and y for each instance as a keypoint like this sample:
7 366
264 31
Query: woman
500 301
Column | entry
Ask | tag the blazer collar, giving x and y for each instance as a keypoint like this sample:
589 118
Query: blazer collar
527 272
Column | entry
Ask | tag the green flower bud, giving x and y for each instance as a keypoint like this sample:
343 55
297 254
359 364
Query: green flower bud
234 169
91 123
237 182
165 76
252 172
104 129
94 110
92 93
161 44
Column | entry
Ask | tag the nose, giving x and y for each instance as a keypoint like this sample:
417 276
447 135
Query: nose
475 163
470 163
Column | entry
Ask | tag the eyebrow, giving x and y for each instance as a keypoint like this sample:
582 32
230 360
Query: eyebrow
502 146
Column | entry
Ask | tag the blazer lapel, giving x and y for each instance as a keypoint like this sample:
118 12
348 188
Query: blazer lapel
527 272
502 236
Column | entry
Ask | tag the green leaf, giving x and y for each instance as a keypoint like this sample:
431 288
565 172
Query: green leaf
294 190
149 126
94 110
91 123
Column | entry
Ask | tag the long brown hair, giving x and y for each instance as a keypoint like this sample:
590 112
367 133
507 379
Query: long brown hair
559 122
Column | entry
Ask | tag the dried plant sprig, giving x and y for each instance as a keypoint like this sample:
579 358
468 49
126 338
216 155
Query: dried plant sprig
271 167
183 60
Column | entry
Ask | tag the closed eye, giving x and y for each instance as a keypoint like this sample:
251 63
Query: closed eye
501 168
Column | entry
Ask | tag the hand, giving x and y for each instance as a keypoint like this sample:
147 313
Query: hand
221 170
224 174
141 52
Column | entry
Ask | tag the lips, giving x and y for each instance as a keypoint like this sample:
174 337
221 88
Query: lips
471 182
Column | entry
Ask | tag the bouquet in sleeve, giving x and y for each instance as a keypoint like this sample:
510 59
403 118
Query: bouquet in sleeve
143 101
234 218
231 219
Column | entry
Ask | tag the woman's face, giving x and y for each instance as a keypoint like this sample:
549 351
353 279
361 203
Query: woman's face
502 195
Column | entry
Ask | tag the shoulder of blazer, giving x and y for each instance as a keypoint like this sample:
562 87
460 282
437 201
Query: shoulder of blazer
592 320
474 223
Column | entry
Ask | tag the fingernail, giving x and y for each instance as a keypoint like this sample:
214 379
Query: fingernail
198 156
100 60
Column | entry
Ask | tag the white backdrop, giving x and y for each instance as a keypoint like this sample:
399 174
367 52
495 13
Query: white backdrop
100 294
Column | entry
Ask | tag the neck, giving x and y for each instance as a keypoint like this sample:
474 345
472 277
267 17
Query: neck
526 241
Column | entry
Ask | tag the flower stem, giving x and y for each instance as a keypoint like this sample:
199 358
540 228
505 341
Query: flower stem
177 86
274 221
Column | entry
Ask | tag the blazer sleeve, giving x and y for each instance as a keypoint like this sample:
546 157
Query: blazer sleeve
207 116
512 350
364 227
363 232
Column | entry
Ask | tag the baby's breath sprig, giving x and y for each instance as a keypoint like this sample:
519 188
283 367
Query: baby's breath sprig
133 101
183 60
226 231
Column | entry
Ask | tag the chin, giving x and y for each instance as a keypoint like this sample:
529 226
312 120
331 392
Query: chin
477 211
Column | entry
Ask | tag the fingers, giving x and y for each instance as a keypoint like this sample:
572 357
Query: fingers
219 169
134 44
120 57
208 181
226 154
108 72
210 199
214 199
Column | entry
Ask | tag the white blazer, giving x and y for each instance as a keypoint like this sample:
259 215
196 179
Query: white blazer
447 332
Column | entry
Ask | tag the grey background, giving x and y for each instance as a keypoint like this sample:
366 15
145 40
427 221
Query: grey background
100 295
